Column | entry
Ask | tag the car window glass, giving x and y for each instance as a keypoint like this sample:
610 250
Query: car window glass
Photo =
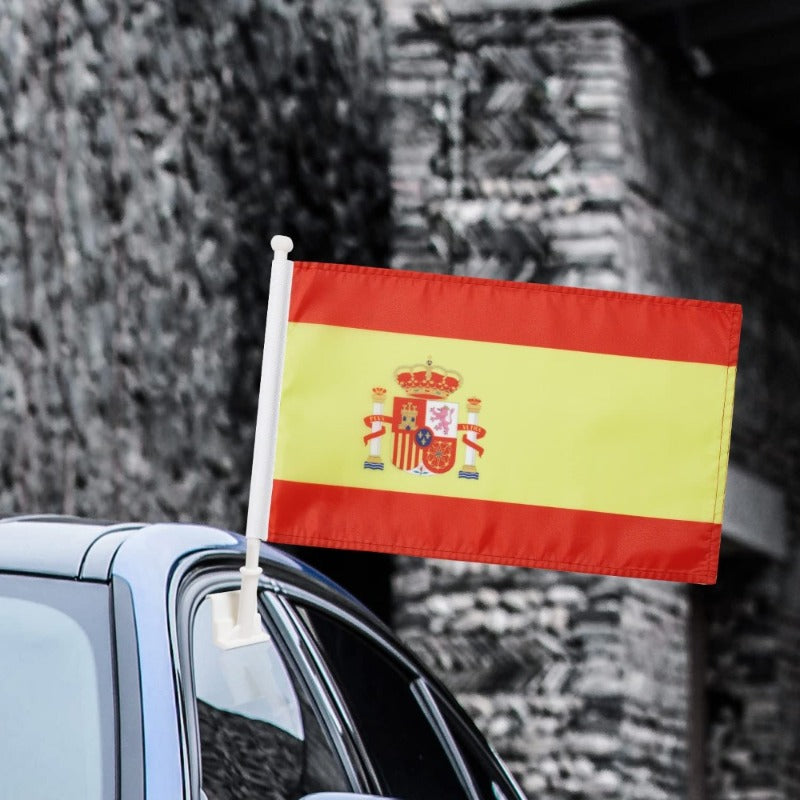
260 736
401 743
53 685
488 778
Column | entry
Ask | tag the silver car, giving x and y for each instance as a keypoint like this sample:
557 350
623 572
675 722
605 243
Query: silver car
111 685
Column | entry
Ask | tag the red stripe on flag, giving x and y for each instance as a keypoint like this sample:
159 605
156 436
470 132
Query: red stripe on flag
406 454
416 453
501 533
535 315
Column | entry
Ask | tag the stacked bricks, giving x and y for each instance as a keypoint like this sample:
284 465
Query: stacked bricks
508 153
572 677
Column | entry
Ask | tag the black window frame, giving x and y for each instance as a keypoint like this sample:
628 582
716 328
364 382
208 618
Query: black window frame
476 741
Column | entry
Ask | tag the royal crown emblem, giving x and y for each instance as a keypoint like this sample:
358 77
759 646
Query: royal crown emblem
427 381
425 424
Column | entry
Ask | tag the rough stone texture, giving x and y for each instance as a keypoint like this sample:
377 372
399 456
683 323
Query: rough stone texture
148 150
577 680
509 147
534 149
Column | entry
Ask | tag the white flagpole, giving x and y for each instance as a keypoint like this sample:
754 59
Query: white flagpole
248 628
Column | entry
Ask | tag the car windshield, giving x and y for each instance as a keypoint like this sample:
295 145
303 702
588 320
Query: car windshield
57 731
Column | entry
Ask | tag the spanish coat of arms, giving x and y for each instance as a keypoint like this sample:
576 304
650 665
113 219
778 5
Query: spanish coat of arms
424 424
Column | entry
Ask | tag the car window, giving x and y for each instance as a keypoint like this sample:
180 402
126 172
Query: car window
489 779
56 720
400 740
260 735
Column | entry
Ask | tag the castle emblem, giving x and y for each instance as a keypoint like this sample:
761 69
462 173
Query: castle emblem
424 424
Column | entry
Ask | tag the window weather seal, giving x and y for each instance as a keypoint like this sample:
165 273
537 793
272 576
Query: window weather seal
369 777
424 697
332 718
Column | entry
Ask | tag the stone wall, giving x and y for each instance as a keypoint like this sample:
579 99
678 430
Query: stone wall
509 146
578 681
148 151
535 149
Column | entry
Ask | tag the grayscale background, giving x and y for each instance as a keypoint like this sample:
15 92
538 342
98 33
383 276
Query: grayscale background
150 148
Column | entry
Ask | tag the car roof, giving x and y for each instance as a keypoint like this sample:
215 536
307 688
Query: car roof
48 545
71 547
92 550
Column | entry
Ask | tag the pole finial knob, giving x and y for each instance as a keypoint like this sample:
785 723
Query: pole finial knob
282 245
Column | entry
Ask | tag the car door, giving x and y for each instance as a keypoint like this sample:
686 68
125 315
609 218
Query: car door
328 704
256 724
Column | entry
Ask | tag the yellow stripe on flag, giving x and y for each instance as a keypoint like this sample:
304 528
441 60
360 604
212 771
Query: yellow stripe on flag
564 429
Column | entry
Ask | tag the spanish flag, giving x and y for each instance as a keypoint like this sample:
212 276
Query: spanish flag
534 425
